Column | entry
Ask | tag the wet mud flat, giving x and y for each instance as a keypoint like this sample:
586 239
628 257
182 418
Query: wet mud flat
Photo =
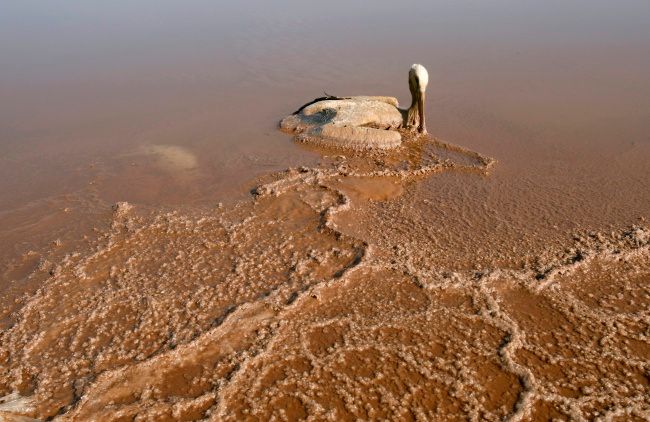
328 295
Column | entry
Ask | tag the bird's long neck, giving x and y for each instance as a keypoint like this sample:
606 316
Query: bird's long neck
421 98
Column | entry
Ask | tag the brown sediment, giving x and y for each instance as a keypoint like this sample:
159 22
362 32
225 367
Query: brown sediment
296 304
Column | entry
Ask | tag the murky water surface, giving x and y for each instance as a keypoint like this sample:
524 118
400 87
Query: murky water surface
423 282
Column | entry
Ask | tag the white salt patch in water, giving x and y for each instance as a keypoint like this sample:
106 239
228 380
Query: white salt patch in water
171 158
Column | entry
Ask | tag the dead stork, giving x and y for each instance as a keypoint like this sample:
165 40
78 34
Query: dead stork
360 122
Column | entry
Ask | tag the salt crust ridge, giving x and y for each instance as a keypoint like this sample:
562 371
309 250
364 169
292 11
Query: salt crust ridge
261 318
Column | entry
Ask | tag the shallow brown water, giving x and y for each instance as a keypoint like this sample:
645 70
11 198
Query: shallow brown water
518 291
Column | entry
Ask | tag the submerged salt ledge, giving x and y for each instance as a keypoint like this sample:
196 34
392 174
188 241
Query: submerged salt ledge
240 314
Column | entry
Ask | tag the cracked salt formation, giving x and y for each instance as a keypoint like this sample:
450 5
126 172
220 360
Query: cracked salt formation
312 300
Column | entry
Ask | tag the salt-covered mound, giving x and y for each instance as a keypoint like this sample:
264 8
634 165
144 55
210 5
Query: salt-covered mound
358 123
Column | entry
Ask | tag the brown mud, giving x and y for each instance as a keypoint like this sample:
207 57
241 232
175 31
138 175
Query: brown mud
311 300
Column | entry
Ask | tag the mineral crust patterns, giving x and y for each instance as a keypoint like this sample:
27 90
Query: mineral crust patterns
237 314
